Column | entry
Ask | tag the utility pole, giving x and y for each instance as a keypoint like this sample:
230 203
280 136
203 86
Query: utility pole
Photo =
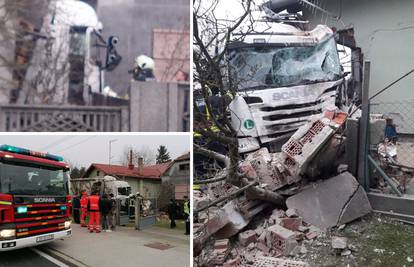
109 156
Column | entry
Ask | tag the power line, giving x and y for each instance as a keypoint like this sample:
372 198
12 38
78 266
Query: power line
60 140
71 146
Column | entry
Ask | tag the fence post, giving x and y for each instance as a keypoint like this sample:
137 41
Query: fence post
2 120
363 177
137 212
125 119
173 107
118 212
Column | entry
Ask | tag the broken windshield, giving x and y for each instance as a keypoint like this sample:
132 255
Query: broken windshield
270 66
25 179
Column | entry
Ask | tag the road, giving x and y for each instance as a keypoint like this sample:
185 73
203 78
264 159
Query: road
28 258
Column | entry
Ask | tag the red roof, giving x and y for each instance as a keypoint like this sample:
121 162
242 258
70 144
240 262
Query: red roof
186 156
146 172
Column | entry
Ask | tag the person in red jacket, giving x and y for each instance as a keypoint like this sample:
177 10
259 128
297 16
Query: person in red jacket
94 208
84 207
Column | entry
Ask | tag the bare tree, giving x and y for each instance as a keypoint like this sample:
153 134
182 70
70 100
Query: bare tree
212 36
144 152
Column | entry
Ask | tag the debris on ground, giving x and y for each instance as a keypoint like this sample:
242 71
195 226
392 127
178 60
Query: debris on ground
311 207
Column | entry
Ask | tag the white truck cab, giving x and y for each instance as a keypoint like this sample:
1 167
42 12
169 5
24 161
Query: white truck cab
282 75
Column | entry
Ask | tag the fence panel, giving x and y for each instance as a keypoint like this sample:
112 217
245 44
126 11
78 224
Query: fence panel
391 146
160 107
37 118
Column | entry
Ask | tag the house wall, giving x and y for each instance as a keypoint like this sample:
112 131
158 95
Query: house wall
177 176
147 188
96 173
385 32
179 179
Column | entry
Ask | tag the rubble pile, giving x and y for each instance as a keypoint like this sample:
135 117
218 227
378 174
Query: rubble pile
238 233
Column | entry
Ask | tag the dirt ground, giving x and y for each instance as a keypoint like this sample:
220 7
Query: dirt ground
374 241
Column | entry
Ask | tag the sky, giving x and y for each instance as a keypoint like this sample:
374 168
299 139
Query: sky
82 150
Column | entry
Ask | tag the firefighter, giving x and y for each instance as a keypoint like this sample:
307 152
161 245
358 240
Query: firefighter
143 69
84 207
94 207
187 215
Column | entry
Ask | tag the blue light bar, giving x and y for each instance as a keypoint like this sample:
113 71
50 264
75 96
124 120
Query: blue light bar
62 208
28 152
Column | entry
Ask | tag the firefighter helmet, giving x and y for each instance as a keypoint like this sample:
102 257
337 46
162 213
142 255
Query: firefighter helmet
144 62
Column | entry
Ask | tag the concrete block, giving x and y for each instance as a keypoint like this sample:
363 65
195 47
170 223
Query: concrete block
357 206
247 237
235 221
291 213
338 242
262 154
323 203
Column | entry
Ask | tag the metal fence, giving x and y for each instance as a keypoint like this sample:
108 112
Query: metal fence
146 212
391 146
37 118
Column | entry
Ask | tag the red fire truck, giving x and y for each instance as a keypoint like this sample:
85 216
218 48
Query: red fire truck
34 198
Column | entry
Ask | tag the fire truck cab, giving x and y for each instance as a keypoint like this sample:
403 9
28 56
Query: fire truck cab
34 198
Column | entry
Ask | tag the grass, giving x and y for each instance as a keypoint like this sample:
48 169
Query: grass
379 242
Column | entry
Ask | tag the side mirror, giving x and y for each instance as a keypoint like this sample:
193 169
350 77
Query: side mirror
112 57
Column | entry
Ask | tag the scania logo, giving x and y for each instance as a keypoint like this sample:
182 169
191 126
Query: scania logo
44 200
296 94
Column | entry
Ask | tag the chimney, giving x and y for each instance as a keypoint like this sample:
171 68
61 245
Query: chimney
130 164
140 163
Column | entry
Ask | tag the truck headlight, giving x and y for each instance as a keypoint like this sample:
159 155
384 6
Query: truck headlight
7 233
68 224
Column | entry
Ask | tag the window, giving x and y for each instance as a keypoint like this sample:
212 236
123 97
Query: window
184 167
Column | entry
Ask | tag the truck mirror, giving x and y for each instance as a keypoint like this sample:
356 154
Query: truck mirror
112 57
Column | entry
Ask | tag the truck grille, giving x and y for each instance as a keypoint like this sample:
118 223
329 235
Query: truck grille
39 219
281 121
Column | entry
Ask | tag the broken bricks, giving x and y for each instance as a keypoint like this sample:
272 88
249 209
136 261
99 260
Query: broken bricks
292 224
247 237
221 251
283 240
276 262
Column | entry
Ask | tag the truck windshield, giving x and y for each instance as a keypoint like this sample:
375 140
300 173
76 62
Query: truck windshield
27 179
270 66
124 191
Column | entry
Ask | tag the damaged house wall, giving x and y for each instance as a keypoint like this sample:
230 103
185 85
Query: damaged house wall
385 32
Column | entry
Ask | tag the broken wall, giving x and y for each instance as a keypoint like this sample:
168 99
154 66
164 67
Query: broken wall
385 32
